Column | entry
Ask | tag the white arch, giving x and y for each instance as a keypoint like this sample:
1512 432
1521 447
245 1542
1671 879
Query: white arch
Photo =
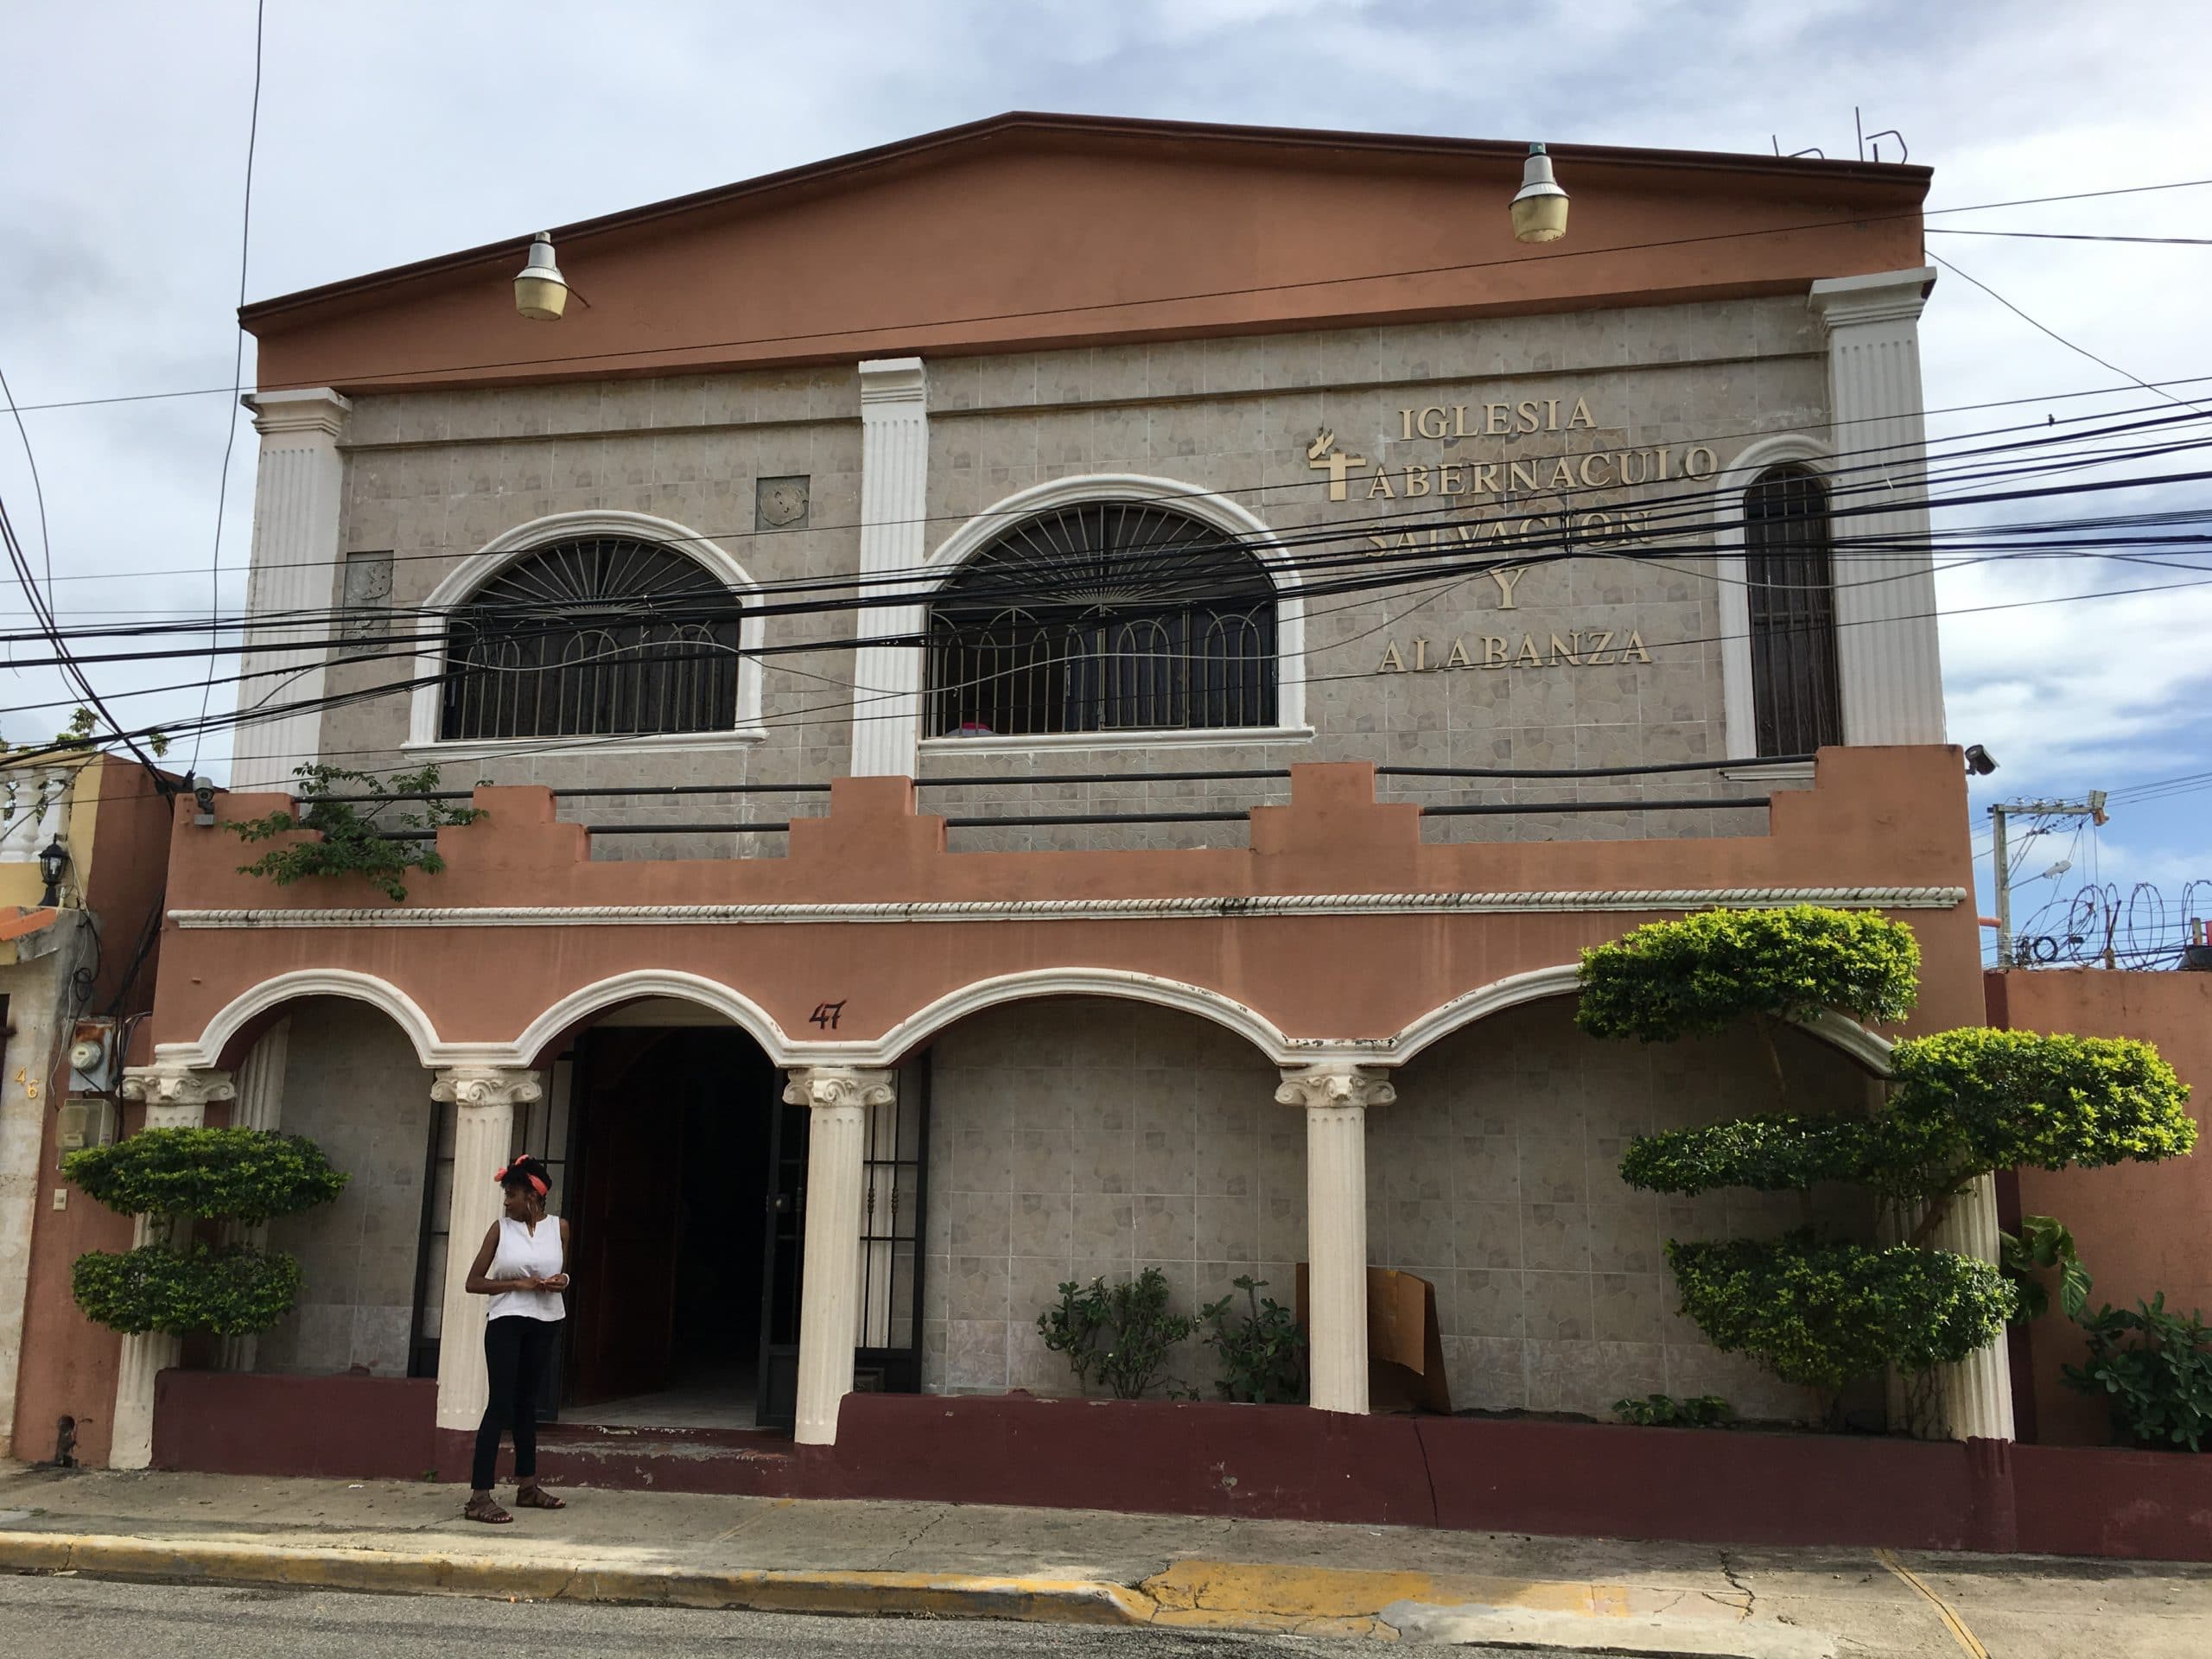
1783 448
581 1004
1177 994
503 550
1205 507
1868 1048
207 1049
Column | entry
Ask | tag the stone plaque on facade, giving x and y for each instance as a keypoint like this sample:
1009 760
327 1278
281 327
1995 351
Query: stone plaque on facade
779 504
368 591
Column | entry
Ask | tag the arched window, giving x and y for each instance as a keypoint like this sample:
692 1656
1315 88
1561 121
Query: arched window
599 637
1790 584
1103 616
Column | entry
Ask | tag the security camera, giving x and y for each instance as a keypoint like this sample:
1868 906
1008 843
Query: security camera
203 797
1977 760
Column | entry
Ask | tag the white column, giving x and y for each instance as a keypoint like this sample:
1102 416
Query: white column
484 1099
176 1098
830 1271
1975 1397
1336 1096
1886 655
298 566
259 1105
894 540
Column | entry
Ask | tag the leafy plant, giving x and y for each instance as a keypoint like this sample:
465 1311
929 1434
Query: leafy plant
83 732
1700 975
1664 1411
246 1174
1962 1103
1822 1313
354 840
2155 1369
1263 1355
2043 1244
231 1291
1121 1334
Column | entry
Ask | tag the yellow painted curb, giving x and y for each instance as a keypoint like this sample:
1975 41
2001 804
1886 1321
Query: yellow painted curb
944 1595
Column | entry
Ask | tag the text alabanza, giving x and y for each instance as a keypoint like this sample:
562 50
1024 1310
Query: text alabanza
1581 648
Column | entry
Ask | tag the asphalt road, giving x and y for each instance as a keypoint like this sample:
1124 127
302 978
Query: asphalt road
85 1618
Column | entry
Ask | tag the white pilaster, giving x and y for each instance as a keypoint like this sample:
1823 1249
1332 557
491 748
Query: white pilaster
1336 1096
894 508
1975 1397
298 566
484 1099
176 1098
1886 654
830 1273
259 1105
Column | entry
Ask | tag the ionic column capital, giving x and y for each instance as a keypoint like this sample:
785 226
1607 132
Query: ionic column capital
165 1085
486 1085
1335 1082
825 1086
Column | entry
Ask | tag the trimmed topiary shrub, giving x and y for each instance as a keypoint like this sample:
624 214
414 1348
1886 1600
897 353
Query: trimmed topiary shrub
248 1175
232 1292
1701 975
245 1176
1824 1313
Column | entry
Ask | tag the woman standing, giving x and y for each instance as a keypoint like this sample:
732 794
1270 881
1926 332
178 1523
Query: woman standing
523 1266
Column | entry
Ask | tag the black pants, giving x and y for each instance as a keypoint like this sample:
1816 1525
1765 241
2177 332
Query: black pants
515 1350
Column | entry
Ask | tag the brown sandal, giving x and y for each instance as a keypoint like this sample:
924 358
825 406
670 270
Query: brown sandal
483 1508
536 1497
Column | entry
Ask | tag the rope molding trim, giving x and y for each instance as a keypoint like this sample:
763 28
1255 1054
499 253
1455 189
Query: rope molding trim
1059 910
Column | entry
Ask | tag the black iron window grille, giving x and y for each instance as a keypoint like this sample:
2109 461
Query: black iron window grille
599 638
1790 578
1110 616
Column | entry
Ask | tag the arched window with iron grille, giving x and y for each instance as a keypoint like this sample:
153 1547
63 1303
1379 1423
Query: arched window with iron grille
1789 582
1105 616
601 637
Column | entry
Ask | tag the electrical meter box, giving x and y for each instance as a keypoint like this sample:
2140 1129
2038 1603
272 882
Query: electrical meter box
84 1120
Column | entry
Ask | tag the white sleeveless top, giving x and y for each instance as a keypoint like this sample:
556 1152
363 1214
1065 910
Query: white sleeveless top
526 1253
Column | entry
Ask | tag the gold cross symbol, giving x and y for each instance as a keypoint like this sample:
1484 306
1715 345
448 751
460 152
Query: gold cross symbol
1322 455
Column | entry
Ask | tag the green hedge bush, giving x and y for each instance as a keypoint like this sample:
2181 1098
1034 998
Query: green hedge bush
1699 976
1823 1313
248 1175
232 1292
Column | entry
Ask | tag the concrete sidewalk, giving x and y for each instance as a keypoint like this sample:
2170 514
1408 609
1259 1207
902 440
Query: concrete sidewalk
1078 1567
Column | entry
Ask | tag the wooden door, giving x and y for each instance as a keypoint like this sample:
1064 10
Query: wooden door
622 1322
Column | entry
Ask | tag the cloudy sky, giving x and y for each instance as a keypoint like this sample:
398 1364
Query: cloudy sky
392 131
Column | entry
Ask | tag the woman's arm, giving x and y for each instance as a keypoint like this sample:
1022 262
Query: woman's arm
478 1284
559 1280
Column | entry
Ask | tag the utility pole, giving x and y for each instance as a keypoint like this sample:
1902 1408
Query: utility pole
2093 808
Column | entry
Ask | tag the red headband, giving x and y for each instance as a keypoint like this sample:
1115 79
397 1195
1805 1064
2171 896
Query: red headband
537 1185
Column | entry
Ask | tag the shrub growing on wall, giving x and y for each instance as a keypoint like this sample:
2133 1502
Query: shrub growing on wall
345 809
1824 1311
243 1175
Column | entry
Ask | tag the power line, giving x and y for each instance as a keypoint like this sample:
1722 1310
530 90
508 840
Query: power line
237 368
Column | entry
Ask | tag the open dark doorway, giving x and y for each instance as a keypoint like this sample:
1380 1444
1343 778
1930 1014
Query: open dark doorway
676 1171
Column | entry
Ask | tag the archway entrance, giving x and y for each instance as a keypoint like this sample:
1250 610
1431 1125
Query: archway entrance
687 1183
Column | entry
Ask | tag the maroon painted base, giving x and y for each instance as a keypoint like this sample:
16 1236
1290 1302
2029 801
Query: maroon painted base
1272 1462
231 1423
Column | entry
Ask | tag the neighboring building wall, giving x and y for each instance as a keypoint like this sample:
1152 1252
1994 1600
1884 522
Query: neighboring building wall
2141 1228
354 1085
1153 1139
31 1000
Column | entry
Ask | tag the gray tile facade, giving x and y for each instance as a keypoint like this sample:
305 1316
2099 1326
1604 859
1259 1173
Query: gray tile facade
354 1085
1082 1138
433 477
